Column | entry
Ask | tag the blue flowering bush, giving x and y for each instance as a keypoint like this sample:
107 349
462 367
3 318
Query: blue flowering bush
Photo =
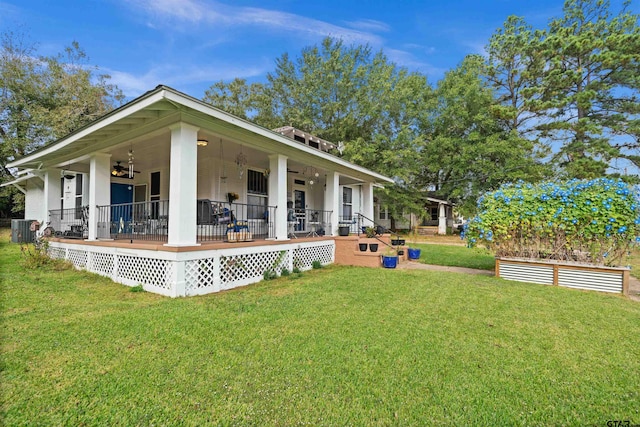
595 221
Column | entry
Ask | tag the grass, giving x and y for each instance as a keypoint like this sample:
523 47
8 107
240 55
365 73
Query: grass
455 256
336 346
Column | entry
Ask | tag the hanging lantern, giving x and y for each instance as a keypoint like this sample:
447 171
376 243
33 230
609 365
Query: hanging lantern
131 163
241 163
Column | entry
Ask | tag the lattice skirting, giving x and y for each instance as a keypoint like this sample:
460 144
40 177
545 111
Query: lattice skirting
193 273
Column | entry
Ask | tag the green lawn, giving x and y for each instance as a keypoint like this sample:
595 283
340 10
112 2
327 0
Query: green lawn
456 256
338 346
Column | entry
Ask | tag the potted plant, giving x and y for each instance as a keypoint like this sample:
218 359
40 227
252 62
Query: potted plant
232 197
398 242
414 253
343 228
370 232
390 259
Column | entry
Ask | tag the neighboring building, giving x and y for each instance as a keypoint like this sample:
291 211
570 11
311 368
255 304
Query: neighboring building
438 217
154 191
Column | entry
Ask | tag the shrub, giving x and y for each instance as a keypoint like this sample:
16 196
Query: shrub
269 274
284 272
316 265
36 256
595 221
137 288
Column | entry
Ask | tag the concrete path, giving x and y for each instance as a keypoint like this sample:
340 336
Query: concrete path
413 265
634 284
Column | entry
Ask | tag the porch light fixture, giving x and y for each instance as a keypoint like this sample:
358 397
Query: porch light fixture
67 174
311 173
202 142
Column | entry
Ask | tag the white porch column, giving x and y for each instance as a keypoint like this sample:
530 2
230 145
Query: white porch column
51 193
278 193
183 183
367 203
442 219
99 190
332 201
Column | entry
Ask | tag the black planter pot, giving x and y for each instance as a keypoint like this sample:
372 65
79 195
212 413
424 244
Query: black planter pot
397 242
363 247
373 247
343 230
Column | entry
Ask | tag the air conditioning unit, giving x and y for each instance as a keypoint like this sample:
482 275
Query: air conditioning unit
21 231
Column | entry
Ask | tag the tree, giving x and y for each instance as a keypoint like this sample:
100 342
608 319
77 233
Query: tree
514 68
471 150
349 94
343 94
44 98
573 86
235 97
589 91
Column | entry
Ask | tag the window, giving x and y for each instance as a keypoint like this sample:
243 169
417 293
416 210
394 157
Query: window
434 213
78 204
154 194
257 194
384 213
300 139
347 199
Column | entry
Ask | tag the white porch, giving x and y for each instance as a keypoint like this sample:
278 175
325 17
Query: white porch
170 170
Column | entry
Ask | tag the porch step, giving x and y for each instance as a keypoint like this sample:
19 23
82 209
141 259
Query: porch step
348 251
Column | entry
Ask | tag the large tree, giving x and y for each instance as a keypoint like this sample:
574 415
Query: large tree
590 86
471 149
573 85
514 69
341 93
42 98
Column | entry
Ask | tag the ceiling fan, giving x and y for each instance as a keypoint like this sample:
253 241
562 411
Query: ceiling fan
120 171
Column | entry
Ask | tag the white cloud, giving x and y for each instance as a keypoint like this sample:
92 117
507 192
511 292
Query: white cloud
369 25
424 49
218 15
9 13
133 85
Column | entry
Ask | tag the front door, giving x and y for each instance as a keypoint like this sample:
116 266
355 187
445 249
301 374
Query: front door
299 205
120 194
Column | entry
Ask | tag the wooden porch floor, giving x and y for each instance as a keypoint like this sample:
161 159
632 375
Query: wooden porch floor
151 245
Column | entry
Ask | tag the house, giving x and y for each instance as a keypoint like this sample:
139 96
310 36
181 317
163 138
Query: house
183 198
437 218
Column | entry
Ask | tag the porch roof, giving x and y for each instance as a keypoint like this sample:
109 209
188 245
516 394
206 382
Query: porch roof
163 106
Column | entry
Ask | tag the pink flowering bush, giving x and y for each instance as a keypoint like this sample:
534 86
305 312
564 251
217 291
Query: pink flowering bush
595 221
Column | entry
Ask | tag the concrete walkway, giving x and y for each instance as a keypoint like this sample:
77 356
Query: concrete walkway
414 265
634 284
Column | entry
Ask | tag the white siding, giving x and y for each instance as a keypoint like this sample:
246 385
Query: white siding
34 200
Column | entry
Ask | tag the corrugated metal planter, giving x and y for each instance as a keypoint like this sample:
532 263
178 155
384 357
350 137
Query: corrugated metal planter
579 276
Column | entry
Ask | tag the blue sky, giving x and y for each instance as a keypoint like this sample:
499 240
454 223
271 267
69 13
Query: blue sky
190 44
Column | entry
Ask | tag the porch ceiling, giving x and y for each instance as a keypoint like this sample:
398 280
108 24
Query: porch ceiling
143 124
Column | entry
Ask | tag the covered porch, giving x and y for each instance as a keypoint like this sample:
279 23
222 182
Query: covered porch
169 168
167 171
